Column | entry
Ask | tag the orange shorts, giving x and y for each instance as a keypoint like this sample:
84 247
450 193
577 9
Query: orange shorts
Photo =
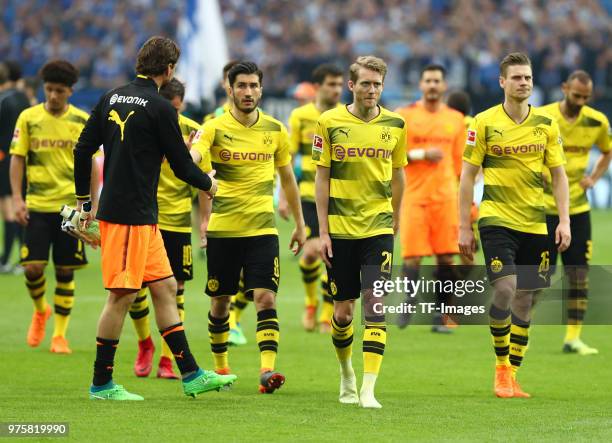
429 229
132 255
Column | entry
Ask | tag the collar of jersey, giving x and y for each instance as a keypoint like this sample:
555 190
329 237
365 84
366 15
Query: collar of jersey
510 118
576 120
363 121
259 116
143 80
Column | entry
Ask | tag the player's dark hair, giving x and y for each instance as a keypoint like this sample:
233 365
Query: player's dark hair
229 65
513 59
434 67
459 101
243 68
14 69
155 55
580 75
4 73
323 71
60 71
174 88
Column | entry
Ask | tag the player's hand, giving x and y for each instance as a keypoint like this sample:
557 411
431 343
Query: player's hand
563 236
21 212
434 154
213 188
203 232
587 183
298 238
189 141
467 243
283 209
325 248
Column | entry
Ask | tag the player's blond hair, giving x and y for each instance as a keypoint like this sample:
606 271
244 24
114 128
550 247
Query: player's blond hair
367 62
513 59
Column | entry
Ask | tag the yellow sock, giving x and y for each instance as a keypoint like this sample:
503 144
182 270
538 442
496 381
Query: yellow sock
63 301
499 325
374 340
519 340
37 288
218 333
342 337
139 312
327 310
572 332
240 302
310 277
267 337
232 313
577 303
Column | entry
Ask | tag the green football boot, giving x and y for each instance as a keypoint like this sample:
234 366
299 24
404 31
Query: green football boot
207 381
116 392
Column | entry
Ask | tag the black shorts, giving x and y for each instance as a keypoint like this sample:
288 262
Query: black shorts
579 251
509 252
42 232
309 209
347 277
5 182
256 256
178 249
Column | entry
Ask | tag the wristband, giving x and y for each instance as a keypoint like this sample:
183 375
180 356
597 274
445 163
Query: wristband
416 154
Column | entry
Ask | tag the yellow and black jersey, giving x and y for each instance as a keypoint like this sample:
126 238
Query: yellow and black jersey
512 157
361 157
174 196
590 128
245 159
47 142
302 122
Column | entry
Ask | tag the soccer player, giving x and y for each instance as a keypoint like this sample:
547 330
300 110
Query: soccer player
12 103
239 301
42 146
513 142
359 150
436 136
581 127
246 146
174 199
138 127
327 79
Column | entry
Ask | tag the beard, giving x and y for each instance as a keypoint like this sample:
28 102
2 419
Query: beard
246 109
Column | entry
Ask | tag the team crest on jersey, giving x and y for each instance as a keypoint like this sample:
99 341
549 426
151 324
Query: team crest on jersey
267 139
538 132
24 252
385 135
471 138
496 265
333 289
213 285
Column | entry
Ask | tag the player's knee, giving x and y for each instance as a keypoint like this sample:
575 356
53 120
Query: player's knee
311 252
412 262
34 271
444 259
343 313
121 300
220 305
63 274
504 291
264 300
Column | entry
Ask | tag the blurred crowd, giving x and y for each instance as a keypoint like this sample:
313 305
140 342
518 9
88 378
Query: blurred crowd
100 37
469 37
289 37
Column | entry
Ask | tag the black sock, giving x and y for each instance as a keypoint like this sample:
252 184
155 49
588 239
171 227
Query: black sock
445 273
177 342
105 358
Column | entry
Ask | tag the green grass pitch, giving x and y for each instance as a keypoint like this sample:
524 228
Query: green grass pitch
432 387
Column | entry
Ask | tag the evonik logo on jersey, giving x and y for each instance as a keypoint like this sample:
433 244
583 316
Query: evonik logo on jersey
519 149
128 99
227 155
340 152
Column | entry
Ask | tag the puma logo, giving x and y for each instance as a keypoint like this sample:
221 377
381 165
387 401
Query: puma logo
114 117
229 137
498 132
109 368
345 131
180 355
